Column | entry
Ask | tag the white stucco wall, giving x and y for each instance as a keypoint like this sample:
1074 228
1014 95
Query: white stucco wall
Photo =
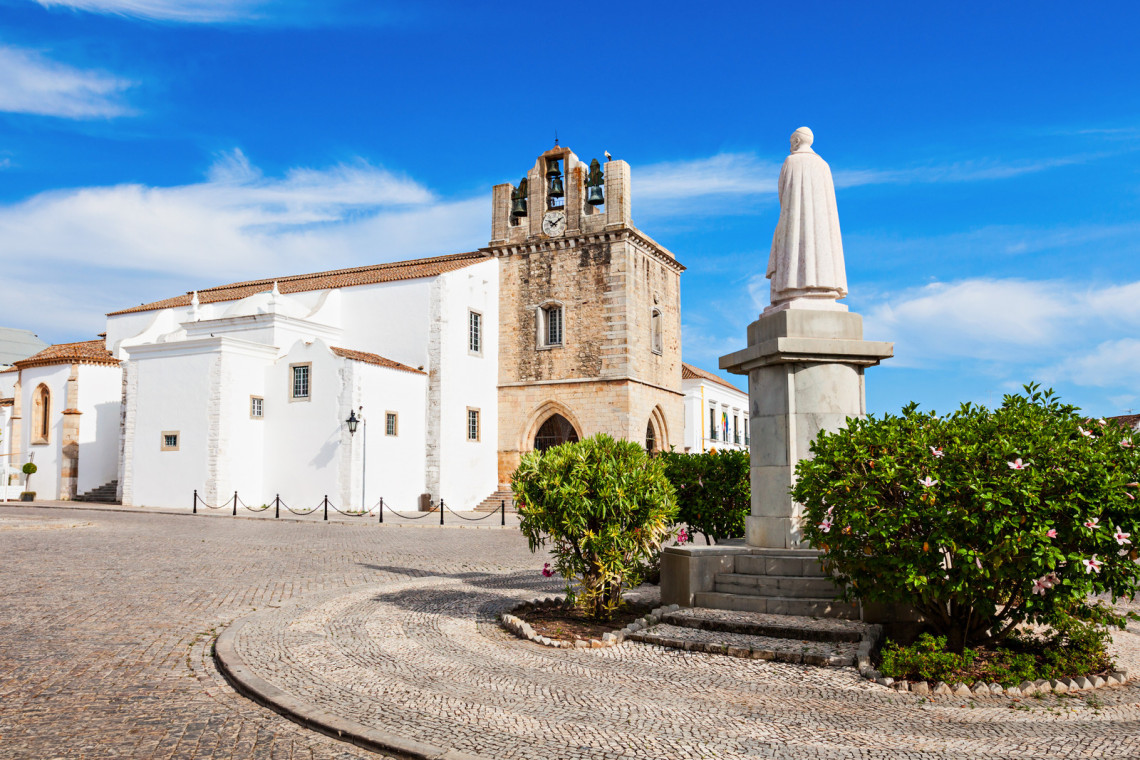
468 469
100 401
700 397
47 457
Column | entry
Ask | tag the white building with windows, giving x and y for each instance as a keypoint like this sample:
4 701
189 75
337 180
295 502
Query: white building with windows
716 412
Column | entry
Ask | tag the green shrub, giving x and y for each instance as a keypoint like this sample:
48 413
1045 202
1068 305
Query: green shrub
604 505
714 494
927 659
980 520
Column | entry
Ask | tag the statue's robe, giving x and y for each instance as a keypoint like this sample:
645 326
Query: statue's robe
807 250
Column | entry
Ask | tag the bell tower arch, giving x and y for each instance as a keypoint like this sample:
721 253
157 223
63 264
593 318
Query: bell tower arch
589 308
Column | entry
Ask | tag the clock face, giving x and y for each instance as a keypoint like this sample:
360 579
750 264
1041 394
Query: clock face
554 223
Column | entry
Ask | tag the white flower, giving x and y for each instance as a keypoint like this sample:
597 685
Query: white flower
1093 523
1016 464
825 526
1091 565
1101 422
1085 433
937 452
928 482
1040 586
1121 537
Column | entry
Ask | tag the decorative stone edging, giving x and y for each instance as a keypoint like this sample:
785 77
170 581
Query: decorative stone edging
980 689
523 629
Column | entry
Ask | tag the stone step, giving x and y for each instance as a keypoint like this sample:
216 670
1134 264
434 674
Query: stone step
775 585
762 624
777 605
795 562
493 502
824 653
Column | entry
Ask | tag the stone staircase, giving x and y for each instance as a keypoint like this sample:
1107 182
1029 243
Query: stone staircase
778 582
824 642
492 502
108 493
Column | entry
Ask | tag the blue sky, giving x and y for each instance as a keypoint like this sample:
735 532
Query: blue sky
987 159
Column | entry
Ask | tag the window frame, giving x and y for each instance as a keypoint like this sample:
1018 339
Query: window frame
712 422
474 330
260 401
656 339
177 435
41 415
471 410
394 418
543 323
293 381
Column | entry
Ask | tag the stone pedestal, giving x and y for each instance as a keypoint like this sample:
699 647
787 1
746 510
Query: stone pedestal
805 374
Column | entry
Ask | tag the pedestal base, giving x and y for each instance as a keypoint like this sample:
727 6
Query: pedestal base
773 532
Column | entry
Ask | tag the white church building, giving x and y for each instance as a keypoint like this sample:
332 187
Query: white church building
449 368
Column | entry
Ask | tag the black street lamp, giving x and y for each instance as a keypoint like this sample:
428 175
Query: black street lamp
352 422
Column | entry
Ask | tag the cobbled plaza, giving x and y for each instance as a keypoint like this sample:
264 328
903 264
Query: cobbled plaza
107 621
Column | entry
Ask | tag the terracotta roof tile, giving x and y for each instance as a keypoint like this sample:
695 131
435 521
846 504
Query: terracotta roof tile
380 361
336 278
1130 421
689 372
10 369
84 352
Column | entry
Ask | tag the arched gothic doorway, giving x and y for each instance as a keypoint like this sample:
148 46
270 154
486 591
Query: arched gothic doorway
554 432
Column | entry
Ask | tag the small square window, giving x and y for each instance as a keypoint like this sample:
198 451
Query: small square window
256 407
391 423
472 424
474 332
170 440
299 390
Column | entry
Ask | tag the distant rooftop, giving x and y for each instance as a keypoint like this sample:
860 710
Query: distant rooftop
689 372
336 278
83 352
18 344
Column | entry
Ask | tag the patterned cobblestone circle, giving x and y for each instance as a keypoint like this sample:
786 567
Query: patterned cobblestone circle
428 660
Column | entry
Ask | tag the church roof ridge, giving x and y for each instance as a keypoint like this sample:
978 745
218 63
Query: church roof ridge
370 358
689 372
83 352
334 278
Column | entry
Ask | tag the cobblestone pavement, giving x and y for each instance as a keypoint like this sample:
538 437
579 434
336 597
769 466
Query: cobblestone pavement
106 627
104 652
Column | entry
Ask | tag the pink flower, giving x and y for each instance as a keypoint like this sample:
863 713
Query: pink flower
1040 586
1121 537
1016 464
1092 565
682 536
978 562
1093 523
1130 496
825 526
936 452
547 571
928 482
1051 533
1126 443
1085 433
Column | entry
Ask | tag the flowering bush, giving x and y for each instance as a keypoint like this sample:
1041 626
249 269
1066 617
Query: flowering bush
605 506
980 520
714 494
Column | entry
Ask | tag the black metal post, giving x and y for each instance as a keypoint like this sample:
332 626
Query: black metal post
381 510
195 501
503 511
441 510
277 505
235 503
326 506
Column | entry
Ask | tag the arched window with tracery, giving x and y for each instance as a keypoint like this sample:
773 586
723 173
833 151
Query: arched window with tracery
41 414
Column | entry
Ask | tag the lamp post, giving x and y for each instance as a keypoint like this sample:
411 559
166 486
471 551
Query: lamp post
353 422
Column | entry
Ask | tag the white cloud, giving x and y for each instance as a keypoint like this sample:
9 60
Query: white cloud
101 248
184 11
34 84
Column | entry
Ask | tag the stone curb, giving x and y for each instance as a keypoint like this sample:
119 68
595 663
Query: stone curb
523 630
979 689
249 685
166 511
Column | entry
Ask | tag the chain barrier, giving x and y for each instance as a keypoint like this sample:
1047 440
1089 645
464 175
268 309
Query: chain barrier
277 503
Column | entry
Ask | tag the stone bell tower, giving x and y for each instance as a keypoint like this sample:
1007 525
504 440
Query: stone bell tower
589 310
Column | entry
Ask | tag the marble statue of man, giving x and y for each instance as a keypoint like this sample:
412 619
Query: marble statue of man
806 264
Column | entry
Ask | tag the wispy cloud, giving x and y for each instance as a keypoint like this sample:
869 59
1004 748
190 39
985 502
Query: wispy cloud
699 185
34 84
182 11
235 224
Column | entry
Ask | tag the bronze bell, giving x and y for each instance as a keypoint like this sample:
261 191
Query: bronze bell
518 207
556 187
594 195
552 169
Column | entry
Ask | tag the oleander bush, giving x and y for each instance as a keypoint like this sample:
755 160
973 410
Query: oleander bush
981 520
604 506
713 491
